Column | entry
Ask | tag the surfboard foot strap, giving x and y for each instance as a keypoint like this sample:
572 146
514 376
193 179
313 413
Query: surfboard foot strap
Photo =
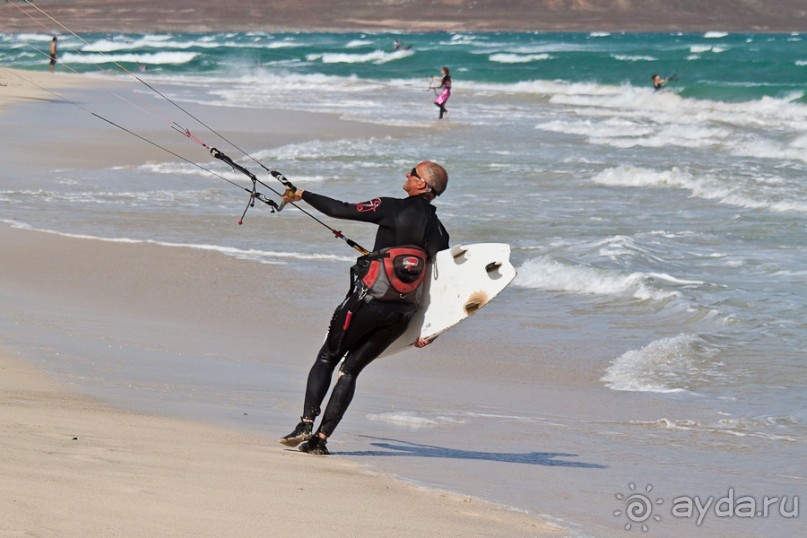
458 251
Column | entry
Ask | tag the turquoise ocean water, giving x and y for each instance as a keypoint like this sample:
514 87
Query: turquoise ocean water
659 238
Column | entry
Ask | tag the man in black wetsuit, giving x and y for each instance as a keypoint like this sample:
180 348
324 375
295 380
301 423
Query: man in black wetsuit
372 317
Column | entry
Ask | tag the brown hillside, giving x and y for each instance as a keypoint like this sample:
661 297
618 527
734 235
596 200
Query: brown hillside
409 15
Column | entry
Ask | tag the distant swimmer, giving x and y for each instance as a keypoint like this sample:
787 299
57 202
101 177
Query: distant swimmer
53 53
445 84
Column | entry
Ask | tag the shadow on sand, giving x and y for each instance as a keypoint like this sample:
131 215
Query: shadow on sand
395 447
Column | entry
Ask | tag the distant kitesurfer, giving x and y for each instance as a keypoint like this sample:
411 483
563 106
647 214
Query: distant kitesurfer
400 46
658 82
445 84
53 54
384 294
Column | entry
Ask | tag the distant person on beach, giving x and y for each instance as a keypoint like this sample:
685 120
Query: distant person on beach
53 54
445 84
658 82
384 294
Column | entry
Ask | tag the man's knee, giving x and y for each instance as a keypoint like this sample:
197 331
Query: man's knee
349 372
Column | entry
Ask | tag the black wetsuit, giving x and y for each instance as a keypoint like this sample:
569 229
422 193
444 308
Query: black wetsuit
362 327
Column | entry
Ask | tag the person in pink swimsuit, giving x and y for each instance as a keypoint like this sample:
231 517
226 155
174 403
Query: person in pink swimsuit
445 84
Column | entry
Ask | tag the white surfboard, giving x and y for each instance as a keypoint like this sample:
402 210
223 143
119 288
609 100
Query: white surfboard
462 280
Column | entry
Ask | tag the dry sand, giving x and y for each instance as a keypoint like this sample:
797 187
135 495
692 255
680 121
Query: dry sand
413 15
75 467
20 86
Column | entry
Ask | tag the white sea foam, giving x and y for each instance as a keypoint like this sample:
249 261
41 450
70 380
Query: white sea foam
682 363
794 150
518 58
168 42
151 197
174 168
319 151
737 427
375 57
623 132
463 39
149 41
285 43
633 58
715 35
725 191
700 49
618 247
358 43
156 58
261 256
661 120
630 176
546 273
34 37
413 420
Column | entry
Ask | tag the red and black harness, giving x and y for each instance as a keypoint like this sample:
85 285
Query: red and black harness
394 273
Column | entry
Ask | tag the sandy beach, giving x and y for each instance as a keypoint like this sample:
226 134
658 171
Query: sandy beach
74 466
20 86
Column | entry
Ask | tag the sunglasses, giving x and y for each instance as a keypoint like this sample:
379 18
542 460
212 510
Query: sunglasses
414 173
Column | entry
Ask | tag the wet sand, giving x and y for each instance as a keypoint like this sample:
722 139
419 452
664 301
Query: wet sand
75 467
